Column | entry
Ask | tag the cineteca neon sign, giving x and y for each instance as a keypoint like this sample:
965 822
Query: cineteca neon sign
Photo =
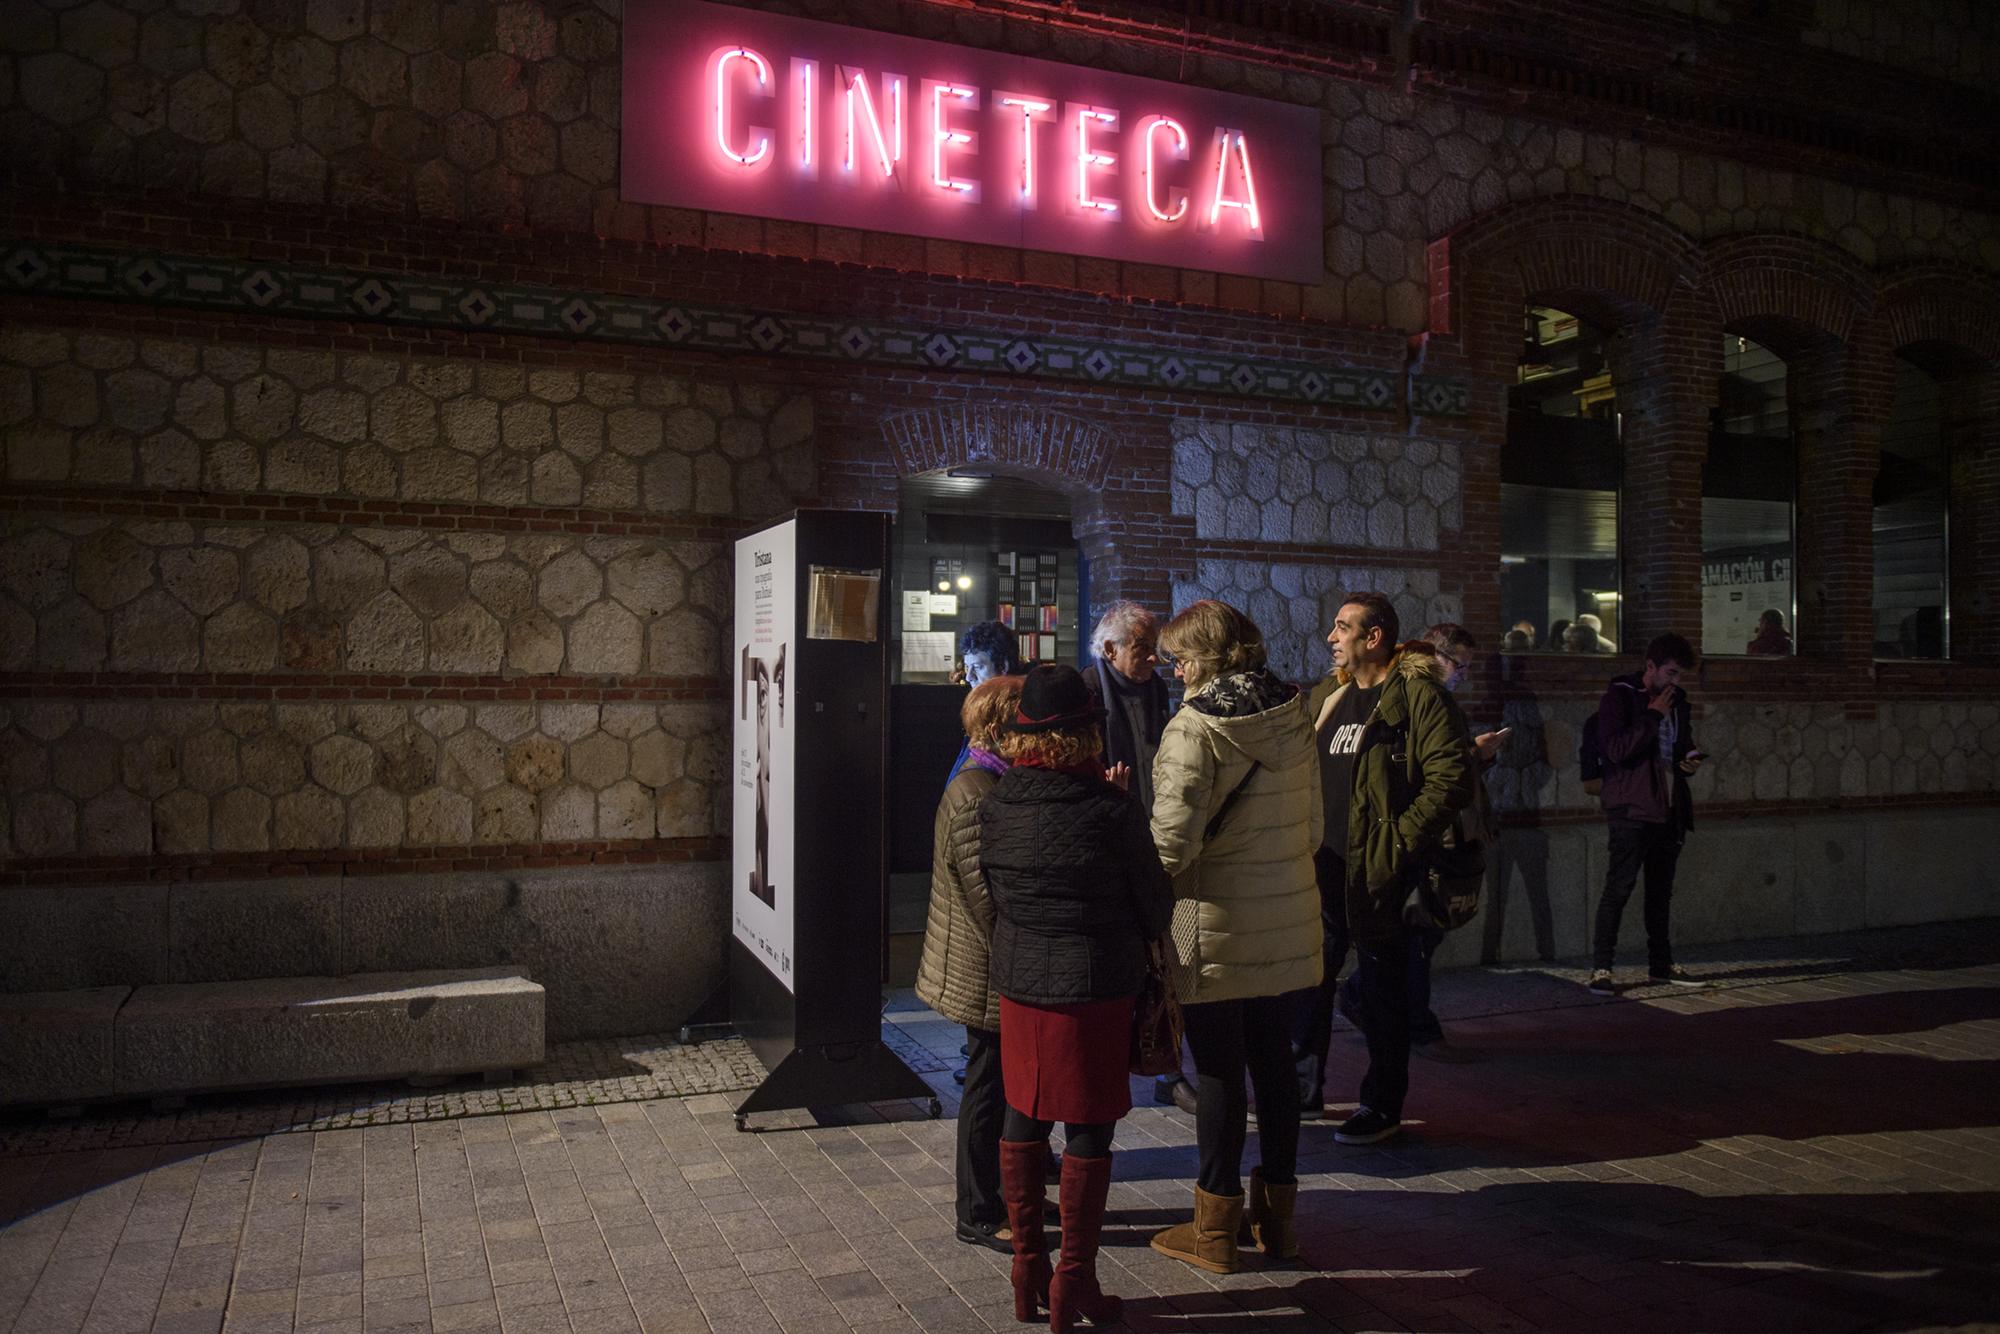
741 111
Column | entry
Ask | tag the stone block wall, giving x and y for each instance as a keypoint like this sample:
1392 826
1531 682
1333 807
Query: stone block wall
275 607
1279 484
508 114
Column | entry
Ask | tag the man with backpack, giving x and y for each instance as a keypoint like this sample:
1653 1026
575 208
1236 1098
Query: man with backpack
1396 769
1644 744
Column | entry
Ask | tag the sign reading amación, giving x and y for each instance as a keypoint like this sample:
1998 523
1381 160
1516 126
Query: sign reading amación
740 111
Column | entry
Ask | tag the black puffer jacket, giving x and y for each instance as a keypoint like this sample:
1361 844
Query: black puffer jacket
1076 884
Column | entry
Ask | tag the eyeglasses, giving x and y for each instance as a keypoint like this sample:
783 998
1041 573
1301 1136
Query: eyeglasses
1166 659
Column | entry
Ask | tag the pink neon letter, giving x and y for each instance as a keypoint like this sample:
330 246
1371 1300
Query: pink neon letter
760 138
889 148
1032 110
1177 204
943 138
1088 158
805 94
1224 141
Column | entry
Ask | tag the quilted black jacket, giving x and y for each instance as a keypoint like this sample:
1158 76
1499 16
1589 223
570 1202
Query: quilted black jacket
1076 884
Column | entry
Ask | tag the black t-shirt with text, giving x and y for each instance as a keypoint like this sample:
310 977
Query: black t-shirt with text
1339 741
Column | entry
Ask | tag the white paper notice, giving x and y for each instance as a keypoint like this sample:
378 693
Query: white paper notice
943 604
916 611
927 652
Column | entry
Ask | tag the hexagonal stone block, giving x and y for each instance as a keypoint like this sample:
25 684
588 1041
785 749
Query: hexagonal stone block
203 578
430 578
605 638
386 635
569 583
598 760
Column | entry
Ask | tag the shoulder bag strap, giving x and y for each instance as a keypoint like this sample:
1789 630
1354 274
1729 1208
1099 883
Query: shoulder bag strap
1222 812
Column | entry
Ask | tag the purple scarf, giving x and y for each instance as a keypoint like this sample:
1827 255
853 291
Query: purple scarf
986 760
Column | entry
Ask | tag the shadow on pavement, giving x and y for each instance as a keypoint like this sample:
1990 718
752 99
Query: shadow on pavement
1647 1257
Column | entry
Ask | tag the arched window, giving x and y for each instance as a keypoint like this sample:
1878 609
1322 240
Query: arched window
1560 472
1912 500
1749 495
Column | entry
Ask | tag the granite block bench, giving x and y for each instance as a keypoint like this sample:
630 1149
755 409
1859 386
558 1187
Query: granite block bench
171 1040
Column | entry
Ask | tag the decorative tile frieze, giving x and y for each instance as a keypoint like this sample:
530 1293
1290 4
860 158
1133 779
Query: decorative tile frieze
467 304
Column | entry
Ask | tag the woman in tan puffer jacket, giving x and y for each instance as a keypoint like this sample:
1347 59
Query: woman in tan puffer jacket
951 973
1236 816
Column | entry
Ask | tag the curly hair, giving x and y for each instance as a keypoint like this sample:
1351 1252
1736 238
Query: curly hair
993 640
1063 748
991 704
1211 638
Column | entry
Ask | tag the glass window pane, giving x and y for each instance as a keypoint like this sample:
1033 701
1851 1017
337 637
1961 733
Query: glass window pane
1560 470
1911 494
1749 489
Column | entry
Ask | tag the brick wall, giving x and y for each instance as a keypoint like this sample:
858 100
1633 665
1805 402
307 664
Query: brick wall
291 591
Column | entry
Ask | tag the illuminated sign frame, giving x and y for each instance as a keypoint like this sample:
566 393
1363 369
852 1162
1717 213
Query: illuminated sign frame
741 111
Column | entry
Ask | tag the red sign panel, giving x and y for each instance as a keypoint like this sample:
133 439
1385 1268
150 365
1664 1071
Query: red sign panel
741 111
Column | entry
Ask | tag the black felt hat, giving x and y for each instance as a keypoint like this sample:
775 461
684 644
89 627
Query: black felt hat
1055 697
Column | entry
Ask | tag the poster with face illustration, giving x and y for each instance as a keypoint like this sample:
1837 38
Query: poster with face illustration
765 722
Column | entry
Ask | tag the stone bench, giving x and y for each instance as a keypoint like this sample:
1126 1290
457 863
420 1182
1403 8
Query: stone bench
56 1046
69 1047
208 1036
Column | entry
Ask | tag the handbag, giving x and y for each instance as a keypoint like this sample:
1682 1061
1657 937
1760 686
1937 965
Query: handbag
1445 887
1157 1026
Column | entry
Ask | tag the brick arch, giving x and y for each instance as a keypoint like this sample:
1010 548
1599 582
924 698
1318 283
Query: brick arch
1061 449
1613 263
1939 304
1789 284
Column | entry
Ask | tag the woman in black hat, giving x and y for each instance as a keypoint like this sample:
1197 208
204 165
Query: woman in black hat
1079 893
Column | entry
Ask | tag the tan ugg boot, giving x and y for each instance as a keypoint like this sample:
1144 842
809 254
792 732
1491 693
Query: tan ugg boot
1209 1242
1269 1213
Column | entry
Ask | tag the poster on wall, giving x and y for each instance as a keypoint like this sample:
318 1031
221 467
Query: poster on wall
1737 587
765 697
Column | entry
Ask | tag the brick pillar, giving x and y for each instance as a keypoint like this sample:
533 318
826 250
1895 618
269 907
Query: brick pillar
1972 434
1665 373
1839 402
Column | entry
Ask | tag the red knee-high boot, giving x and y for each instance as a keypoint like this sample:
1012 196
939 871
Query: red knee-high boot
1024 1188
1074 1294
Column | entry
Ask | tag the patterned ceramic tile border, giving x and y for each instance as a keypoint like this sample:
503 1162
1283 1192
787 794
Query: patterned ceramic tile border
81 271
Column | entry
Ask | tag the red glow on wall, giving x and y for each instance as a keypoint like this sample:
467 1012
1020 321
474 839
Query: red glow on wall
741 111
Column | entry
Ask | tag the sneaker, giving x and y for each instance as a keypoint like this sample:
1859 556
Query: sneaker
1677 976
1601 984
1366 1126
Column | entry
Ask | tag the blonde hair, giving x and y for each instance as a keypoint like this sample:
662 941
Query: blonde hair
1063 748
991 705
1211 638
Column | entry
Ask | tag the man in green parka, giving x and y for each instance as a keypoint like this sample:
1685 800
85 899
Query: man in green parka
1396 770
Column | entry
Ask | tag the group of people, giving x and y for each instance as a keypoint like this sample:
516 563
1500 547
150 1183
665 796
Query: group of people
1249 840
1585 634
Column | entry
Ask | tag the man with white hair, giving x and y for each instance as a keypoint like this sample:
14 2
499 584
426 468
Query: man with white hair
1126 644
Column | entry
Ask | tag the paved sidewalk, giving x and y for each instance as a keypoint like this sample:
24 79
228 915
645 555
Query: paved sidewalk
1814 1144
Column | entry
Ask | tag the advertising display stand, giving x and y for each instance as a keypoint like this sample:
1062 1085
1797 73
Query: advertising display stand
808 713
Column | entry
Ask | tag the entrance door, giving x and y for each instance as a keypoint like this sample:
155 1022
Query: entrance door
966 547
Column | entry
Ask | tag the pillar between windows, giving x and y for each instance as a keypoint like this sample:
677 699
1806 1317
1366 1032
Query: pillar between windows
1664 371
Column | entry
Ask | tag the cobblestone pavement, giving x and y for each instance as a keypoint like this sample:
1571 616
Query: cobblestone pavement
1813 1143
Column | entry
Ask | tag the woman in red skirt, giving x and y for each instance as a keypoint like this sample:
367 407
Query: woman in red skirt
1079 893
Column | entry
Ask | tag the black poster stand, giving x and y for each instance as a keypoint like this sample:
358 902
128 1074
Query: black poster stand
821 1040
